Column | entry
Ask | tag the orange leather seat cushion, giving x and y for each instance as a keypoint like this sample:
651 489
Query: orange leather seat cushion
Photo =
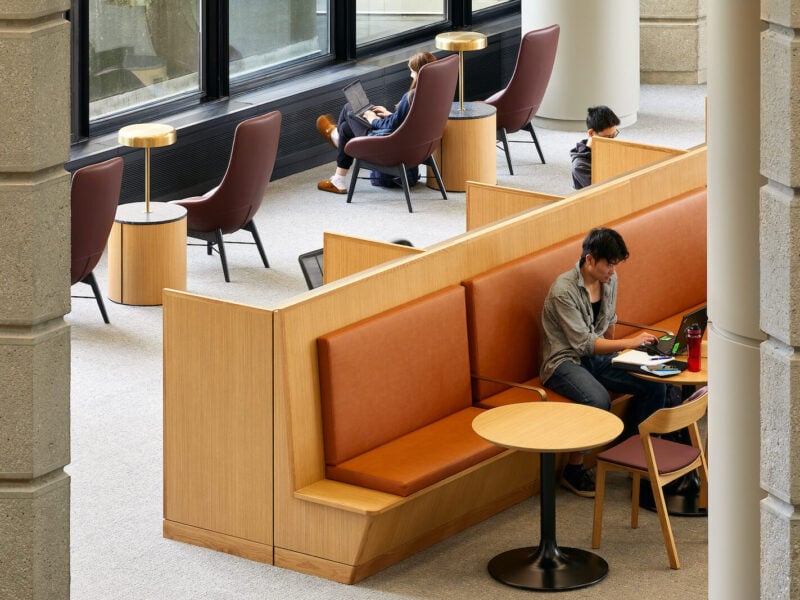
391 374
420 458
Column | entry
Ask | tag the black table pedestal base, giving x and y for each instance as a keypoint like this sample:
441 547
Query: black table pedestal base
553 569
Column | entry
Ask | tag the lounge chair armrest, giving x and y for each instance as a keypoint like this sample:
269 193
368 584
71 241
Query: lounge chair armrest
522 386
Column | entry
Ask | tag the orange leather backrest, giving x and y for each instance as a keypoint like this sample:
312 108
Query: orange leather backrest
666 271
504 308
393 373
665 274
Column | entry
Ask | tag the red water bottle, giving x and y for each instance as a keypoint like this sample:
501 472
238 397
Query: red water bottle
693 341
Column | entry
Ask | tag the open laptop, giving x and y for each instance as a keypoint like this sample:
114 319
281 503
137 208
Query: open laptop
358 100
671 345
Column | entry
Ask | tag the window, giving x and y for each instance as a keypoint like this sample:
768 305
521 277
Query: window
141 51
264 34
380 19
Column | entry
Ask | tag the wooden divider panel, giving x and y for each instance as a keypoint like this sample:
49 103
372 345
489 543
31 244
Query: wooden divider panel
345 254
612 157
489 203
218 417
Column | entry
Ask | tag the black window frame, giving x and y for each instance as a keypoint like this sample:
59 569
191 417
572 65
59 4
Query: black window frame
215 84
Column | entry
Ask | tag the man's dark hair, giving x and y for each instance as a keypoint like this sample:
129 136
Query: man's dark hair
600 118
604 243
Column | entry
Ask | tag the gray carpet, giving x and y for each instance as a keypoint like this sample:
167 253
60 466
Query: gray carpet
117 547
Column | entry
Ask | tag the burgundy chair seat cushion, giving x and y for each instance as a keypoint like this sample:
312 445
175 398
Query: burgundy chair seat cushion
420 458
670 456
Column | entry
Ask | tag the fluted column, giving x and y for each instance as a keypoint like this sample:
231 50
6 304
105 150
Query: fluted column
34 296
733 299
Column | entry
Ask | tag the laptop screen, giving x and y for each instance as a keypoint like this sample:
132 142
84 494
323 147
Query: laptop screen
698 316
357 97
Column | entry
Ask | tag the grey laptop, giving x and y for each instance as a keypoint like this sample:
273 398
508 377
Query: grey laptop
358 100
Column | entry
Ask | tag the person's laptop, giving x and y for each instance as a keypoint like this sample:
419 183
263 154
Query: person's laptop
358 100
671 345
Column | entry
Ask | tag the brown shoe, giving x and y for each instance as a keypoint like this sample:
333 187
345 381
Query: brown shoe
325 126
327 186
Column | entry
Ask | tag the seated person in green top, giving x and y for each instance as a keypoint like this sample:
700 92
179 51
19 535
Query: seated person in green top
600 121
578 320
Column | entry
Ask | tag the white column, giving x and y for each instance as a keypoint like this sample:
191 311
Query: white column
733 299
597 61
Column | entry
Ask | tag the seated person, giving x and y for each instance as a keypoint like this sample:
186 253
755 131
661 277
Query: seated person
600 120
578 312
382 122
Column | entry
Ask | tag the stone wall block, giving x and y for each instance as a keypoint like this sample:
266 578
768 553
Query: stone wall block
32 9
780 540
780 106
674 9
670 47
35 420
780 421
779 233
781 12
35 119
35 265
36 517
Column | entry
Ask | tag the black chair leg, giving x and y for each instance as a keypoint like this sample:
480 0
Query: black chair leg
91 281
209 247
406 187
221 249
501 136
431 162
251 227
353 179
529 127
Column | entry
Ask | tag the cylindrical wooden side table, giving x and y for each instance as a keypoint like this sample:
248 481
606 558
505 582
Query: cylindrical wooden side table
468 151
146 253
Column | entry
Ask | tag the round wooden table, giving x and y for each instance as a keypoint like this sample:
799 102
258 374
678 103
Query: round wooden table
548 427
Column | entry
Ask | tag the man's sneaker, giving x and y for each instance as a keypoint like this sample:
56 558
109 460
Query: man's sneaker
577 481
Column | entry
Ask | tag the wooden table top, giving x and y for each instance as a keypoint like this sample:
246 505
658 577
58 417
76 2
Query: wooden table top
685 377
547 426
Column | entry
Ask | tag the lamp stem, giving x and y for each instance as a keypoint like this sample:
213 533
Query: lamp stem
147 179
461 80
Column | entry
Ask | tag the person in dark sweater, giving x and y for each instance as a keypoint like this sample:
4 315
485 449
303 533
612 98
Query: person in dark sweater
601 121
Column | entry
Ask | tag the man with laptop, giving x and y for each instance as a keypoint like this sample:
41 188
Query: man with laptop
578 312
359 118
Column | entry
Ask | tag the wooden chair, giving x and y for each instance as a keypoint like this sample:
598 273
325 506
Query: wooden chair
659 460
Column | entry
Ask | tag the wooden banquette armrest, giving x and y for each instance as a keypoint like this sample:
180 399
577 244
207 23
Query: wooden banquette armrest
348 497
648 327
531 388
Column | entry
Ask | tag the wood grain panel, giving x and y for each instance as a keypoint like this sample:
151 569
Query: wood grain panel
345 255
612 157
144 259
217 541
218 416
489 203
467 153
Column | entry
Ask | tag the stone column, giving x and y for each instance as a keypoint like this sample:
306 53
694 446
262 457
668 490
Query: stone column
673 41
780 300
733 299
34 296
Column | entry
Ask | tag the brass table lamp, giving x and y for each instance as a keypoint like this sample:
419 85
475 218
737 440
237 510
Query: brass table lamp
147 135
461 41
